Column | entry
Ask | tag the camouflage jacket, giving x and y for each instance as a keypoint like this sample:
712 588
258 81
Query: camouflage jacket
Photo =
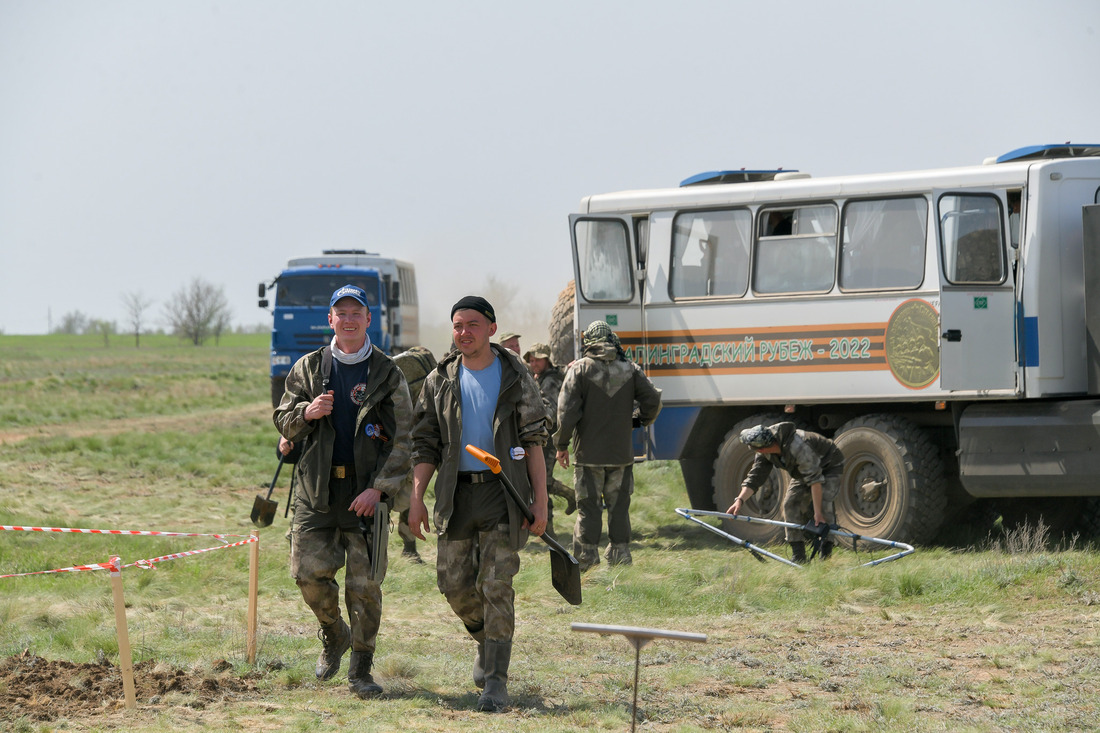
596 408
382 459
806 456
519 422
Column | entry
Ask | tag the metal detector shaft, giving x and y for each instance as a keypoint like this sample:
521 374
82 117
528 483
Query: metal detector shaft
756 550
692 513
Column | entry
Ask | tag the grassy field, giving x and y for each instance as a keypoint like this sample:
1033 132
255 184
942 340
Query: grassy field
1004 635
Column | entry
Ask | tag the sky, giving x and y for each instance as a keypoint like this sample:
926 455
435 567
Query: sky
146 144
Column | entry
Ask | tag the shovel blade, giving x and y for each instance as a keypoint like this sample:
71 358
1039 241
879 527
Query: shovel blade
263 511
565 574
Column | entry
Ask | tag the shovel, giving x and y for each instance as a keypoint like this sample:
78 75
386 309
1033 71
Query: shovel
263 509
565 572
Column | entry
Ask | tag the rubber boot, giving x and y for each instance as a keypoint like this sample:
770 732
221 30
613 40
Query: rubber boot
360 681
798 552
618 553
587 555
498 655
335 641
479 658
410 552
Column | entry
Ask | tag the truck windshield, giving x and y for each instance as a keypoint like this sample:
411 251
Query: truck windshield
316 290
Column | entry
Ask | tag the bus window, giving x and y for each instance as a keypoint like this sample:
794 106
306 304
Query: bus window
971 235
710 253
882 246
796 250
603 253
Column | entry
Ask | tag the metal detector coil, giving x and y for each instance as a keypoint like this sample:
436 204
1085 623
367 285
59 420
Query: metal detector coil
692 515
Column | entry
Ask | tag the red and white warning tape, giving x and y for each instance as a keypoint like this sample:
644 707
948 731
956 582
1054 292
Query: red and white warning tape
148 564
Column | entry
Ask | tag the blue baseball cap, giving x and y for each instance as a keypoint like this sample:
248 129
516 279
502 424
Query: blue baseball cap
349 291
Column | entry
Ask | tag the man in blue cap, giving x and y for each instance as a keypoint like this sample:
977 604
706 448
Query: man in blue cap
348 406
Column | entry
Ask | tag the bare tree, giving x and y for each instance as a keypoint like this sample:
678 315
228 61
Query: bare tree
103 328
197 311
72 322
136 304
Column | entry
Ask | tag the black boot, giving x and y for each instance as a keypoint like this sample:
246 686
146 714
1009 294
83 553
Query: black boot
498 655
798 552
826 549
409 551
360 681
479 658
335 640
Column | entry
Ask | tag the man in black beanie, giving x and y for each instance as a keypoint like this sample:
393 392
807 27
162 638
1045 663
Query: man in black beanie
480 394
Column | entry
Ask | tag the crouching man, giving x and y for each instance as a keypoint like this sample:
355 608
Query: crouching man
348 406
814 464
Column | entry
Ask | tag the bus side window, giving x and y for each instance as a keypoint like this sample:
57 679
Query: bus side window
796 250
883 244
710 253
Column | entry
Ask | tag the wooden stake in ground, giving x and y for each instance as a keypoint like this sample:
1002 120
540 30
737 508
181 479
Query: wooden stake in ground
253 591
125 658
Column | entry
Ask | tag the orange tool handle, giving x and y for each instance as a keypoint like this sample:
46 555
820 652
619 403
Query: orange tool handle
485 457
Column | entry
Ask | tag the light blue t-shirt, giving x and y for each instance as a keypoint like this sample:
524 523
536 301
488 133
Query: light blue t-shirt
480 389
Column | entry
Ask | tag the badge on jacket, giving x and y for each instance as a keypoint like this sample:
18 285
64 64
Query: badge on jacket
518 454
374 430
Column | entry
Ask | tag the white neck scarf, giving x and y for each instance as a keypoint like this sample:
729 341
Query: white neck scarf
355 358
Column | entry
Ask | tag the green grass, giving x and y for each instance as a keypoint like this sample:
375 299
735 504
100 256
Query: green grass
172 437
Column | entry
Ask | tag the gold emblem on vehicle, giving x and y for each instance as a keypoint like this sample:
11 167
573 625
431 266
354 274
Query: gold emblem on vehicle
913 344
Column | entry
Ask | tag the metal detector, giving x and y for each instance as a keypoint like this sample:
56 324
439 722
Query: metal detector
759 553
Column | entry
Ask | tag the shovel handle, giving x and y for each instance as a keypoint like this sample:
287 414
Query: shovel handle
494 465
277 469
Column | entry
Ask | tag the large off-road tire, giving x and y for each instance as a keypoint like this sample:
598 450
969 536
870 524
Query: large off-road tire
730 468
278 386
562 336
893 484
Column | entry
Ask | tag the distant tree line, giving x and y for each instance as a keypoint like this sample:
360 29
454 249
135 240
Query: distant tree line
197 312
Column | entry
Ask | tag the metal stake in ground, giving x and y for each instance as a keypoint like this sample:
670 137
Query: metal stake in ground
638 637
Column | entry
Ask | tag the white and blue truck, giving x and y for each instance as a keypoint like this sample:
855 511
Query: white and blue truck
942 326
299 301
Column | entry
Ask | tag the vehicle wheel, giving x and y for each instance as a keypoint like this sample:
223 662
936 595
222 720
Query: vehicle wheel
562 336
892 486
730 468
278 386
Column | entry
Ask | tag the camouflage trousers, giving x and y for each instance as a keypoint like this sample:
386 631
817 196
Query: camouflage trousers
598 487
475 575
798 505
320 544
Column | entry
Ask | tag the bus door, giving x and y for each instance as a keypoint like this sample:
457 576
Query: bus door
977 303
608 264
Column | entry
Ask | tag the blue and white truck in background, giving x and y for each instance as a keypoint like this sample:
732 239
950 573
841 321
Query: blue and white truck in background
299 299
943 326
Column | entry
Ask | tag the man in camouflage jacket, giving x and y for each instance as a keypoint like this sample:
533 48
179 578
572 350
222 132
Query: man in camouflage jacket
596 412
480 389
815 466
549 378
348 406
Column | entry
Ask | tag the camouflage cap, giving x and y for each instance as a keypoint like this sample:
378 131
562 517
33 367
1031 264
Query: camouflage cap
538 351
760 436
508 335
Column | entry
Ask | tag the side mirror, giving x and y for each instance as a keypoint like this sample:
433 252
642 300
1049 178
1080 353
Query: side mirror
263 290
263 302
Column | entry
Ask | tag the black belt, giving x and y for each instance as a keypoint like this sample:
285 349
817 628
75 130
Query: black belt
476 477
346 471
